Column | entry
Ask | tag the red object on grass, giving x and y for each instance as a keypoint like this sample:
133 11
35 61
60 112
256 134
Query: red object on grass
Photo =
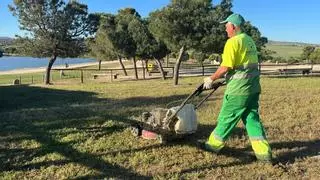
149 134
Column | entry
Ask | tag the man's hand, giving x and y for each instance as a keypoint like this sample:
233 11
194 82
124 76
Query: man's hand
207 83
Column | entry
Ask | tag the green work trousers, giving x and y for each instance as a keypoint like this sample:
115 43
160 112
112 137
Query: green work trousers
245 108
235 108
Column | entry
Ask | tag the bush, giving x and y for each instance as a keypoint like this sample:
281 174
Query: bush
200 57
215 58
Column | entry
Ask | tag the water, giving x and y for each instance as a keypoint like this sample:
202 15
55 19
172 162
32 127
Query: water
12 62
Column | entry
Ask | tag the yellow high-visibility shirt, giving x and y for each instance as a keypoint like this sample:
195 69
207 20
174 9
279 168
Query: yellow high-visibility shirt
239 50
240 54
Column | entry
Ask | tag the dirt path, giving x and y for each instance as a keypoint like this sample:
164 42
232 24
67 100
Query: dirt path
42 69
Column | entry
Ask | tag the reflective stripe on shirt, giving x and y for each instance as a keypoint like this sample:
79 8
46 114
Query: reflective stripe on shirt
247 66
245 75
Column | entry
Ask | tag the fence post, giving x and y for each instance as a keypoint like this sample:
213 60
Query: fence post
172 71
81 76
111 75
143 72
20 79
31 79
61 74
202 70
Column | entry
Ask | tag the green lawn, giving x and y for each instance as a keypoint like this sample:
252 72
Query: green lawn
285 51
79 131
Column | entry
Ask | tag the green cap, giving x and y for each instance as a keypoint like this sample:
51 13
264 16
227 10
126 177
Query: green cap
235 19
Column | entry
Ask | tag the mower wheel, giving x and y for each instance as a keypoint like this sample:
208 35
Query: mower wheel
162 139
136 131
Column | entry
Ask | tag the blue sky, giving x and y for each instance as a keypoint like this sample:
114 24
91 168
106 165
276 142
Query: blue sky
281 20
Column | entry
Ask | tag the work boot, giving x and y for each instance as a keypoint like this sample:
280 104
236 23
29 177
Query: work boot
262 150
206 147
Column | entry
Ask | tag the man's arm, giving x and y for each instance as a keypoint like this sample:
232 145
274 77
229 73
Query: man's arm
208 81
221 71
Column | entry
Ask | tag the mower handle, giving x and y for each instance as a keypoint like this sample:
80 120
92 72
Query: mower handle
197 92
215 86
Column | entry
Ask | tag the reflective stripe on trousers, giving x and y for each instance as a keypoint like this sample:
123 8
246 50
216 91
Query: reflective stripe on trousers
214 143
261 149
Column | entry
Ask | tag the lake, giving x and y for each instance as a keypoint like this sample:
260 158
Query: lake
12 62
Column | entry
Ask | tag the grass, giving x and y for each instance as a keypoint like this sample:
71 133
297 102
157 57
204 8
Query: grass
79 131
285 51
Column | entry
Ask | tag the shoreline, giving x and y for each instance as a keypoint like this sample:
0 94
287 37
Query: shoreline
43 69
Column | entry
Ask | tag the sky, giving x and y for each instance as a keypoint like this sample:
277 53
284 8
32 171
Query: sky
279 20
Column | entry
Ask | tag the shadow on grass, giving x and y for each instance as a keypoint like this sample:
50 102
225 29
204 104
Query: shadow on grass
28 97
37 102
298 149
35 113
74 109
301 149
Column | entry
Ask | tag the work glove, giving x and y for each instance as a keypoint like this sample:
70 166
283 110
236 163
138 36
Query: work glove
207 83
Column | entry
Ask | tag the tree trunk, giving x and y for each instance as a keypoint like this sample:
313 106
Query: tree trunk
51 61
147 65
161 69
177 66
122 66
135 68
99 65
143 69
167 60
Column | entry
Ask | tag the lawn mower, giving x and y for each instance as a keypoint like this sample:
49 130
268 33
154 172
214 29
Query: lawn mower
174 123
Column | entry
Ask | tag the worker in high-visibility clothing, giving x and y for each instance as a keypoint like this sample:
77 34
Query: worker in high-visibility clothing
240 65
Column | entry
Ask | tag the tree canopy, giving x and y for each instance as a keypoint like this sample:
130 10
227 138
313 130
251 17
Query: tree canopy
101 47
315 56
59 29
55 28
195 25
307 51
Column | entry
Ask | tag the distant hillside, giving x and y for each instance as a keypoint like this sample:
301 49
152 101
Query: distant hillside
5 40
287 49
271 42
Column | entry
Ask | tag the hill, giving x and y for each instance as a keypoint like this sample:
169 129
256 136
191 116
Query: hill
285 43
287 49
5 40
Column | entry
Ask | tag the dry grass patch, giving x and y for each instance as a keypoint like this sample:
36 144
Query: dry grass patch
80 131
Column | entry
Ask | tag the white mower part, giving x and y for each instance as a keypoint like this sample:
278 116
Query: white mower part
187 123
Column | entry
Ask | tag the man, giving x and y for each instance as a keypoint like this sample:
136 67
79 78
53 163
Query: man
240 64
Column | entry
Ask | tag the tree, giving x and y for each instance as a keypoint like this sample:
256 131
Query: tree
122 36
307 51
185 24
115 36
216 36
56 29
147 47
315 56
100 46
266 54
180 25
200 57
